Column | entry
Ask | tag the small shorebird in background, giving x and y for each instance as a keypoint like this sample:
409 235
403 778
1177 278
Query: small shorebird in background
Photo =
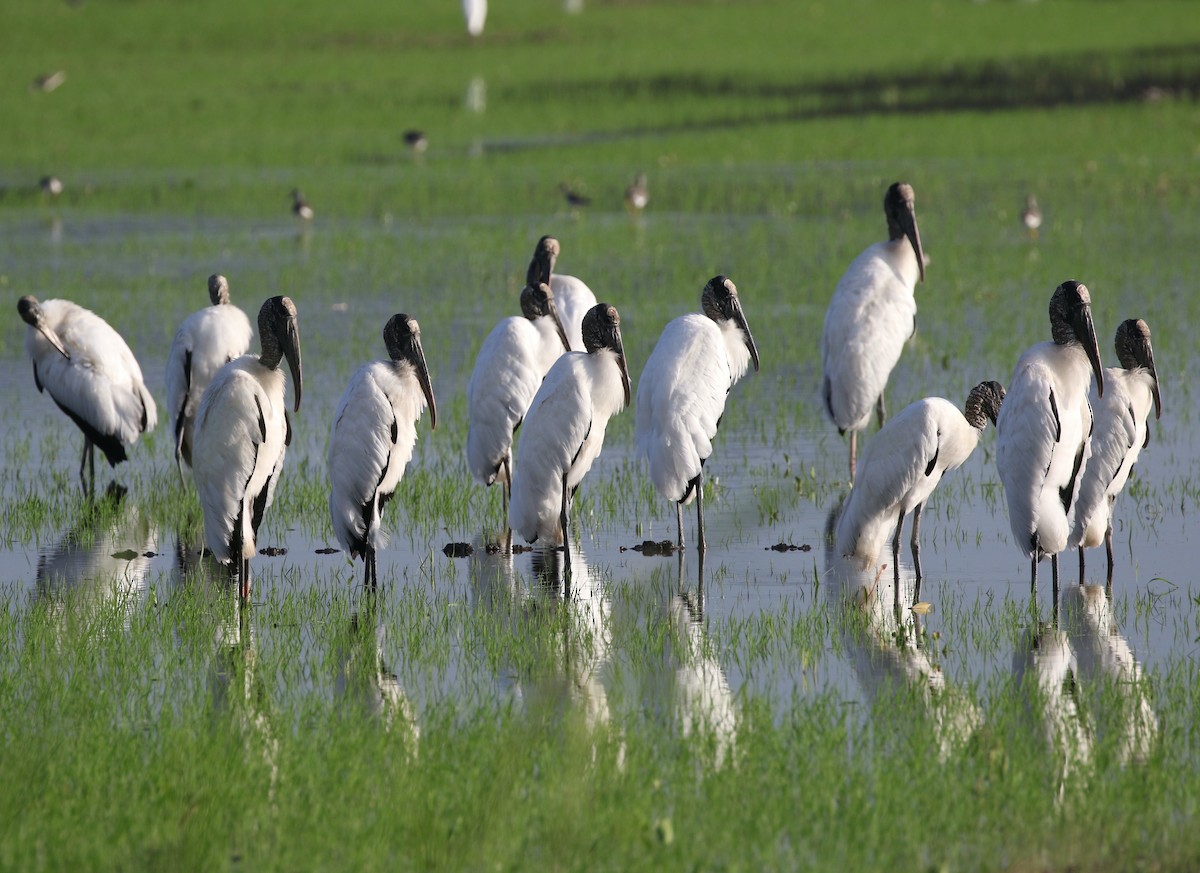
1031 216
637 196
300 207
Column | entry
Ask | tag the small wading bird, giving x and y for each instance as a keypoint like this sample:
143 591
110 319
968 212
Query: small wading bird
300 207
564 429
902 466
51 186
872 315
681 394
572 297
205 342
1042 433
92 376
510 368
417 141
1120 433
374 431
475 13
637 196
1031 216
574 199
242 431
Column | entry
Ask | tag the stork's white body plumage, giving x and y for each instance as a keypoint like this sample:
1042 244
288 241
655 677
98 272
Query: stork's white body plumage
99 385
899 470
241 435
206 341
1042 441
1117 440
573 298
872 315
514 359
563 433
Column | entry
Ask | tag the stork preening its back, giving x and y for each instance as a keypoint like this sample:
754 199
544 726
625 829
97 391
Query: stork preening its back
1120 433
242 431
564 429
510 368
871 316
374 431
205 342
1044 428
92 376
572 296
681 394
902 466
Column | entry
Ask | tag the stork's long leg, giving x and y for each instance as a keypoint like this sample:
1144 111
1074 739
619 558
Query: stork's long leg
915 543
679 520
698 483
370 574
880 410
507 465
853 453
896 562
1054 573
564 521
1033 575
1081 566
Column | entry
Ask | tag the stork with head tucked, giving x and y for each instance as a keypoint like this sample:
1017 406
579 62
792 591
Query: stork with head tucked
92 376
1044 429
242 431
1121 432
681 394
206 341
564 430
902 466
374 431
872 315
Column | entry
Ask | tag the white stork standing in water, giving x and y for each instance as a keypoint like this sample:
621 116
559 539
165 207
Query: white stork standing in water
902 466
511 365
205 342
1044 428
242 431
872 315
564 429
374 431
1121 432
92 376
573 298
681 394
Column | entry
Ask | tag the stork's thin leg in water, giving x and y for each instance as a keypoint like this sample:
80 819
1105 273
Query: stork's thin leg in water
563 519
915 544
89 485
880 410
853 453
506 463
1054 573
1033 576
698 484
896 562
370 580
1081 566
679 521
1108 550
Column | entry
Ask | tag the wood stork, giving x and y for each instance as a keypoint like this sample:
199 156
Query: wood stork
91 375
300 207
206 341
374 431
475 13
637 196
564 429
572 297
903 465
1031 216
1042 432
510 368
242 431
1120 433
872 315
681 394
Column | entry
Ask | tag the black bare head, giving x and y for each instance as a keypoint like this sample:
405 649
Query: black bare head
218 289
720 302
602 330
32 314
541 265
899 205
1071 322
1135 352
279 333
537 301
983 404
402 336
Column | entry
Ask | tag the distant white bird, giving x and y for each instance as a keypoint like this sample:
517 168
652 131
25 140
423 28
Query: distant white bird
1042 441
51 186
242 431
475 12
92 376
681 394
1031 216
206 341
564 429
511 365
872 315
572 297
374 431
637 196
903 465
300 207
1119 435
